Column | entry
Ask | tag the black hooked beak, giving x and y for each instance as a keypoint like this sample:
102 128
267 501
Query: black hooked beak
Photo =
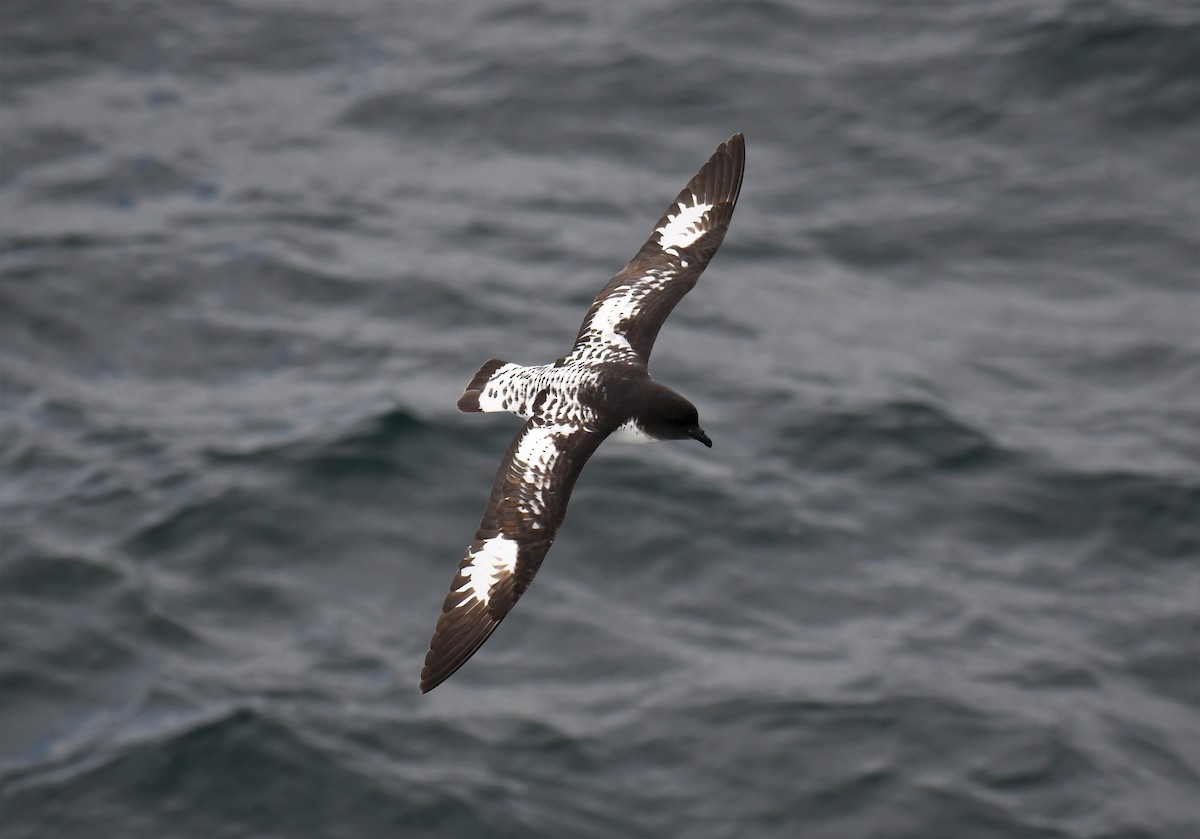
697 433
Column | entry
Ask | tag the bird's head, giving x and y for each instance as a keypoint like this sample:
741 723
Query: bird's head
668 416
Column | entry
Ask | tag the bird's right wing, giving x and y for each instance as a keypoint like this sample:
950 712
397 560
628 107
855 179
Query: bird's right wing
528 503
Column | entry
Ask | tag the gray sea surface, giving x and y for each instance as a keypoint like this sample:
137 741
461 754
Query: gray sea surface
938 577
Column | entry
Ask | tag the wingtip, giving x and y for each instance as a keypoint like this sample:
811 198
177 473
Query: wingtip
431 679
462 628
730 162
735 146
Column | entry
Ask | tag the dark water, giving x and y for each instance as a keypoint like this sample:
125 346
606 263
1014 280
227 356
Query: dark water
937 578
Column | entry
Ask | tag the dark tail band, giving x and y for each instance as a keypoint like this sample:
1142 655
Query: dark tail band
469 401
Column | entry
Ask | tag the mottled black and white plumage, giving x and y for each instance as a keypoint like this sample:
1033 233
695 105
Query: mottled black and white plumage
600 387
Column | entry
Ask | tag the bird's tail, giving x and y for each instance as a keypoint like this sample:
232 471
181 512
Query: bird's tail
470 400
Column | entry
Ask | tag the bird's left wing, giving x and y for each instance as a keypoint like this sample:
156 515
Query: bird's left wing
625 317
528 503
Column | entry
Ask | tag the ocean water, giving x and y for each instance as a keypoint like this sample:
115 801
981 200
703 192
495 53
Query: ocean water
938 577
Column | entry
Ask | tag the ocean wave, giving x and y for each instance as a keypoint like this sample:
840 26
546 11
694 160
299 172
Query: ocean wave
379 446
63 577
1139 64
147 39
256 766
125 182
39 146
893 440
1121 517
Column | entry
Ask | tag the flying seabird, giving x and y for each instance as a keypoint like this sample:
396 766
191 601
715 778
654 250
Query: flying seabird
600 387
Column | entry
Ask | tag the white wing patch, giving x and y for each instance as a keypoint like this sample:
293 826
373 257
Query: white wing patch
495 558
536 454
603 340
615 310
683 228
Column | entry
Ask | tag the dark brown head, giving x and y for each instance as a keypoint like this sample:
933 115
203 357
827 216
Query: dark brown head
666 415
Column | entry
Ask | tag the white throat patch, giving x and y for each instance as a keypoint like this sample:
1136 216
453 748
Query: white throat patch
630 432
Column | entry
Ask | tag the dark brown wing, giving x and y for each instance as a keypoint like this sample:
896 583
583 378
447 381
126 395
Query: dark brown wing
625 318
528 503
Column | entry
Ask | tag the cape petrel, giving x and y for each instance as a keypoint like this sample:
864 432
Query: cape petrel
600 387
